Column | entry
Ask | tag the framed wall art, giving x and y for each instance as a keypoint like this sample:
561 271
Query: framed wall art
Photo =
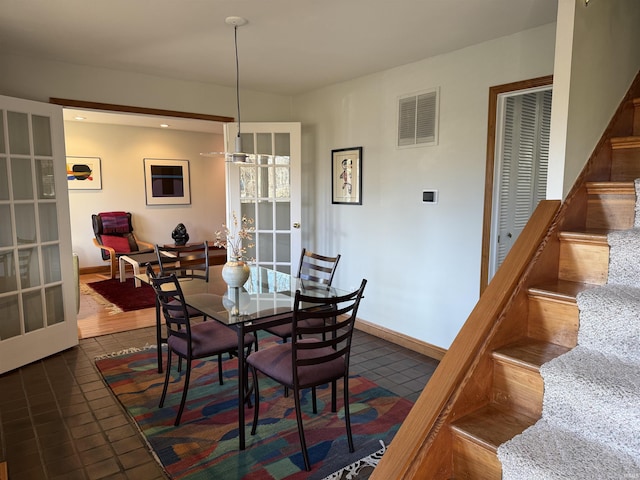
84 173
346 176
167 182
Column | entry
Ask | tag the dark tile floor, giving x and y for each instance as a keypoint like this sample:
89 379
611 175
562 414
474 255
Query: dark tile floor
59 421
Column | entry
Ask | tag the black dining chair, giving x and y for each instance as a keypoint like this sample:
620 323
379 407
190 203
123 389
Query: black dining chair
189 340
313 267
189 262
309 361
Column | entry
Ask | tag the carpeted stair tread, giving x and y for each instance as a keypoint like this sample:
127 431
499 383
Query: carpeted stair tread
624 269
544 451
621 336
579 391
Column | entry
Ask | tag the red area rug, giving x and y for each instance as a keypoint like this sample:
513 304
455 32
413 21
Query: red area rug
205 444
124 295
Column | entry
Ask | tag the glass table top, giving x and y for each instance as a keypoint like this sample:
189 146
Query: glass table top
265 294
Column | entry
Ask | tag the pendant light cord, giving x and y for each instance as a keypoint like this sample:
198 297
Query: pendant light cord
235 31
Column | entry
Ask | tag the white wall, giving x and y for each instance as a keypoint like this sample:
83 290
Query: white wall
598 56
122 150
35 79
422 261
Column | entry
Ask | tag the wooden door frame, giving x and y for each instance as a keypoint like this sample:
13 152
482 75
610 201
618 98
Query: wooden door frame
494 93
110 107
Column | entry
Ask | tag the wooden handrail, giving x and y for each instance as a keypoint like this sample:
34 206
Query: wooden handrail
409 446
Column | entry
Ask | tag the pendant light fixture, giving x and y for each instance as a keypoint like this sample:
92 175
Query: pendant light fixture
238 156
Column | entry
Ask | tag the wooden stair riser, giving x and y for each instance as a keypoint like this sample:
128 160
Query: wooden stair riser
636 116
553 321
584 261
625 159
517 388
611 206
474 462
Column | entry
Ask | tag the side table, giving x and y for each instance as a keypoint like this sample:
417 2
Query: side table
136 260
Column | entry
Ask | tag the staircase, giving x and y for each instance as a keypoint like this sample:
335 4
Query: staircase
501 392
515 400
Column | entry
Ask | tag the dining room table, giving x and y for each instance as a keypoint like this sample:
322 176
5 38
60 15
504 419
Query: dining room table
265 300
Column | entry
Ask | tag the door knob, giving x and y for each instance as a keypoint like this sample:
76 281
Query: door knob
296 225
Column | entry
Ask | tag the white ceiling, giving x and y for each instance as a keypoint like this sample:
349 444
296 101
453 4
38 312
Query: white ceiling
288 47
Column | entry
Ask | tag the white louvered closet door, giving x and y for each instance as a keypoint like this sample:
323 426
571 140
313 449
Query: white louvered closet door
522 161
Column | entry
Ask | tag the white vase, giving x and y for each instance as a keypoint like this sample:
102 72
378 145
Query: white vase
235 272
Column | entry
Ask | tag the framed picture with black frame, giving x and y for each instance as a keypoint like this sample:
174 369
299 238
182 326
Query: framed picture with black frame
167 182
346 176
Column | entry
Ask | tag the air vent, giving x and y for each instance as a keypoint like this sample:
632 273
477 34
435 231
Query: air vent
418 119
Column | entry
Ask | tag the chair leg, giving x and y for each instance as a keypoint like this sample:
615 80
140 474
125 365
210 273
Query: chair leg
114 265
158 335
334 390
220 369
256 400
166 379
303 443
347 415
314 400
185 388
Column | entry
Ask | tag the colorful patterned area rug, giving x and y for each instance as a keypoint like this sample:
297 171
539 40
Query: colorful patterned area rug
205 444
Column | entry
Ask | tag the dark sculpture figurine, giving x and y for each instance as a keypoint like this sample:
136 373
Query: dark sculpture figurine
180 235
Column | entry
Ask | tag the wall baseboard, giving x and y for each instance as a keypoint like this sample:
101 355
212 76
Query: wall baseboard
96 269
400 339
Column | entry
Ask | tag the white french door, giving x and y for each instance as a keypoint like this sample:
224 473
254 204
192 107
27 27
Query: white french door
268 190
37 285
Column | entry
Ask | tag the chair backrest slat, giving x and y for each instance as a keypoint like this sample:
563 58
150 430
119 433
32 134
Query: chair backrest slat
317 268
190 261
338 315
172 304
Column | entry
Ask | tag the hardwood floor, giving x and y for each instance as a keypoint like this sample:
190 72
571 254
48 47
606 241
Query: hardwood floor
95 319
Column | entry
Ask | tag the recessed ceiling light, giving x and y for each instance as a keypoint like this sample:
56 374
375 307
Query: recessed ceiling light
164 125
79 118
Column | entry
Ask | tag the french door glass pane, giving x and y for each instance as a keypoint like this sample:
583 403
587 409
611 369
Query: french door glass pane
265 247
3 148
41 136
263 182
48 222
264 143
29 267
282 146
45 179
10 324
283 247
282 183
8 279
6 232
51 263
33 313
21 176
55 306
18 124
4 180
265 216
248 186
283 215
25 223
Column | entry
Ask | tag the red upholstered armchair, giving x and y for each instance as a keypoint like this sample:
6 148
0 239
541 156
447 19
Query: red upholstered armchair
114 237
